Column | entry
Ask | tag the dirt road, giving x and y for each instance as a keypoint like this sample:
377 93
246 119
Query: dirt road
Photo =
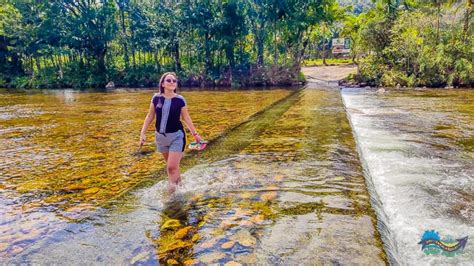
328 73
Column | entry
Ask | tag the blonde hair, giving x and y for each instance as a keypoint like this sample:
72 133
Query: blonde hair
160 85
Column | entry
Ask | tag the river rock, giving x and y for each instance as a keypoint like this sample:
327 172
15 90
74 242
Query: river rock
190 262
278 178
227 223
76 187
140 257
92 190
3 246
174 245
232 263
245 223
170 224
272 188
268 196
210 243
181 233
228 245
259 218
196 237
246 258
212 257
16 250
246 195
244 238
110 85
80 211
172 262
239 212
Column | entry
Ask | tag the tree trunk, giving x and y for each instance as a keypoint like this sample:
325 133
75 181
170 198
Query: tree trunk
467 17
275 45
38 65
157 62
301 54
133 58
101 68
325 53
207 53
32 66
259 43
3 54
124 42
354 52
60 64
177 59
438 22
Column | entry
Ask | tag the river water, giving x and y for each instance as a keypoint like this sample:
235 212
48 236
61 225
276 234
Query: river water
282 181
418 148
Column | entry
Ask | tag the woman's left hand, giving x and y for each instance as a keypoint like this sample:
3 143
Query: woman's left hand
197 138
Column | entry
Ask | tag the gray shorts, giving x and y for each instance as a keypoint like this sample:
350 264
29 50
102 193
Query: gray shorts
170 142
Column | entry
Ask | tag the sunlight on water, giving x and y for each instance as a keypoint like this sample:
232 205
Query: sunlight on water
64 153
285 187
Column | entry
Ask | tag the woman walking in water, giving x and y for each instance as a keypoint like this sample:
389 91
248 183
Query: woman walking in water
169 107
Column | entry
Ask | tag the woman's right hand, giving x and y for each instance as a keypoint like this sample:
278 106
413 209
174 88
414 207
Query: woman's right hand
142 138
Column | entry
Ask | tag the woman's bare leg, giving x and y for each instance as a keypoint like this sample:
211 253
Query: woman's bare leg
165 155
172 167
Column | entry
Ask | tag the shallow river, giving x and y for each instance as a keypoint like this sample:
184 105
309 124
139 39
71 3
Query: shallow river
304 176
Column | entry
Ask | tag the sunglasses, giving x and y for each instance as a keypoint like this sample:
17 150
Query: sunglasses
171 80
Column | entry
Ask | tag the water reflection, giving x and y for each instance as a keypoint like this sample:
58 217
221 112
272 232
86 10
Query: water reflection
66 96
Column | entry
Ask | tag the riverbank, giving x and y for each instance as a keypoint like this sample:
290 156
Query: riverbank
343 76
243 76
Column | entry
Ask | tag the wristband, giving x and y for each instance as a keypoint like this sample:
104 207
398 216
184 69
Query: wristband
194 134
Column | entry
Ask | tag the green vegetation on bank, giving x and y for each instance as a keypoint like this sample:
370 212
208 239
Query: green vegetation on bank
414 43
329 61
65 43
80 44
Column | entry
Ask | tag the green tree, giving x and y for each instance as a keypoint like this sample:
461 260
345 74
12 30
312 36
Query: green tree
89 28
10 63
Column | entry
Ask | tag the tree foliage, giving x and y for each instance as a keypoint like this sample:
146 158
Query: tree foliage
420 43
86 43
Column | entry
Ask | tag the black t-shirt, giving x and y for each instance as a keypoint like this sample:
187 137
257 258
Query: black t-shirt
168 113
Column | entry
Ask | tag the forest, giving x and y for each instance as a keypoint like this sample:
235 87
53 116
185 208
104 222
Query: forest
232 43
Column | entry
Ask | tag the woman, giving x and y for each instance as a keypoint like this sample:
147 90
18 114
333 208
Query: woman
169 107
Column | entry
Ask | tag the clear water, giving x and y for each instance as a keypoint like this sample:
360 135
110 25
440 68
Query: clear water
281 181
64 154
285 187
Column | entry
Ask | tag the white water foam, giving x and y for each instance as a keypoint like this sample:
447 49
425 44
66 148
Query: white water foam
416 184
